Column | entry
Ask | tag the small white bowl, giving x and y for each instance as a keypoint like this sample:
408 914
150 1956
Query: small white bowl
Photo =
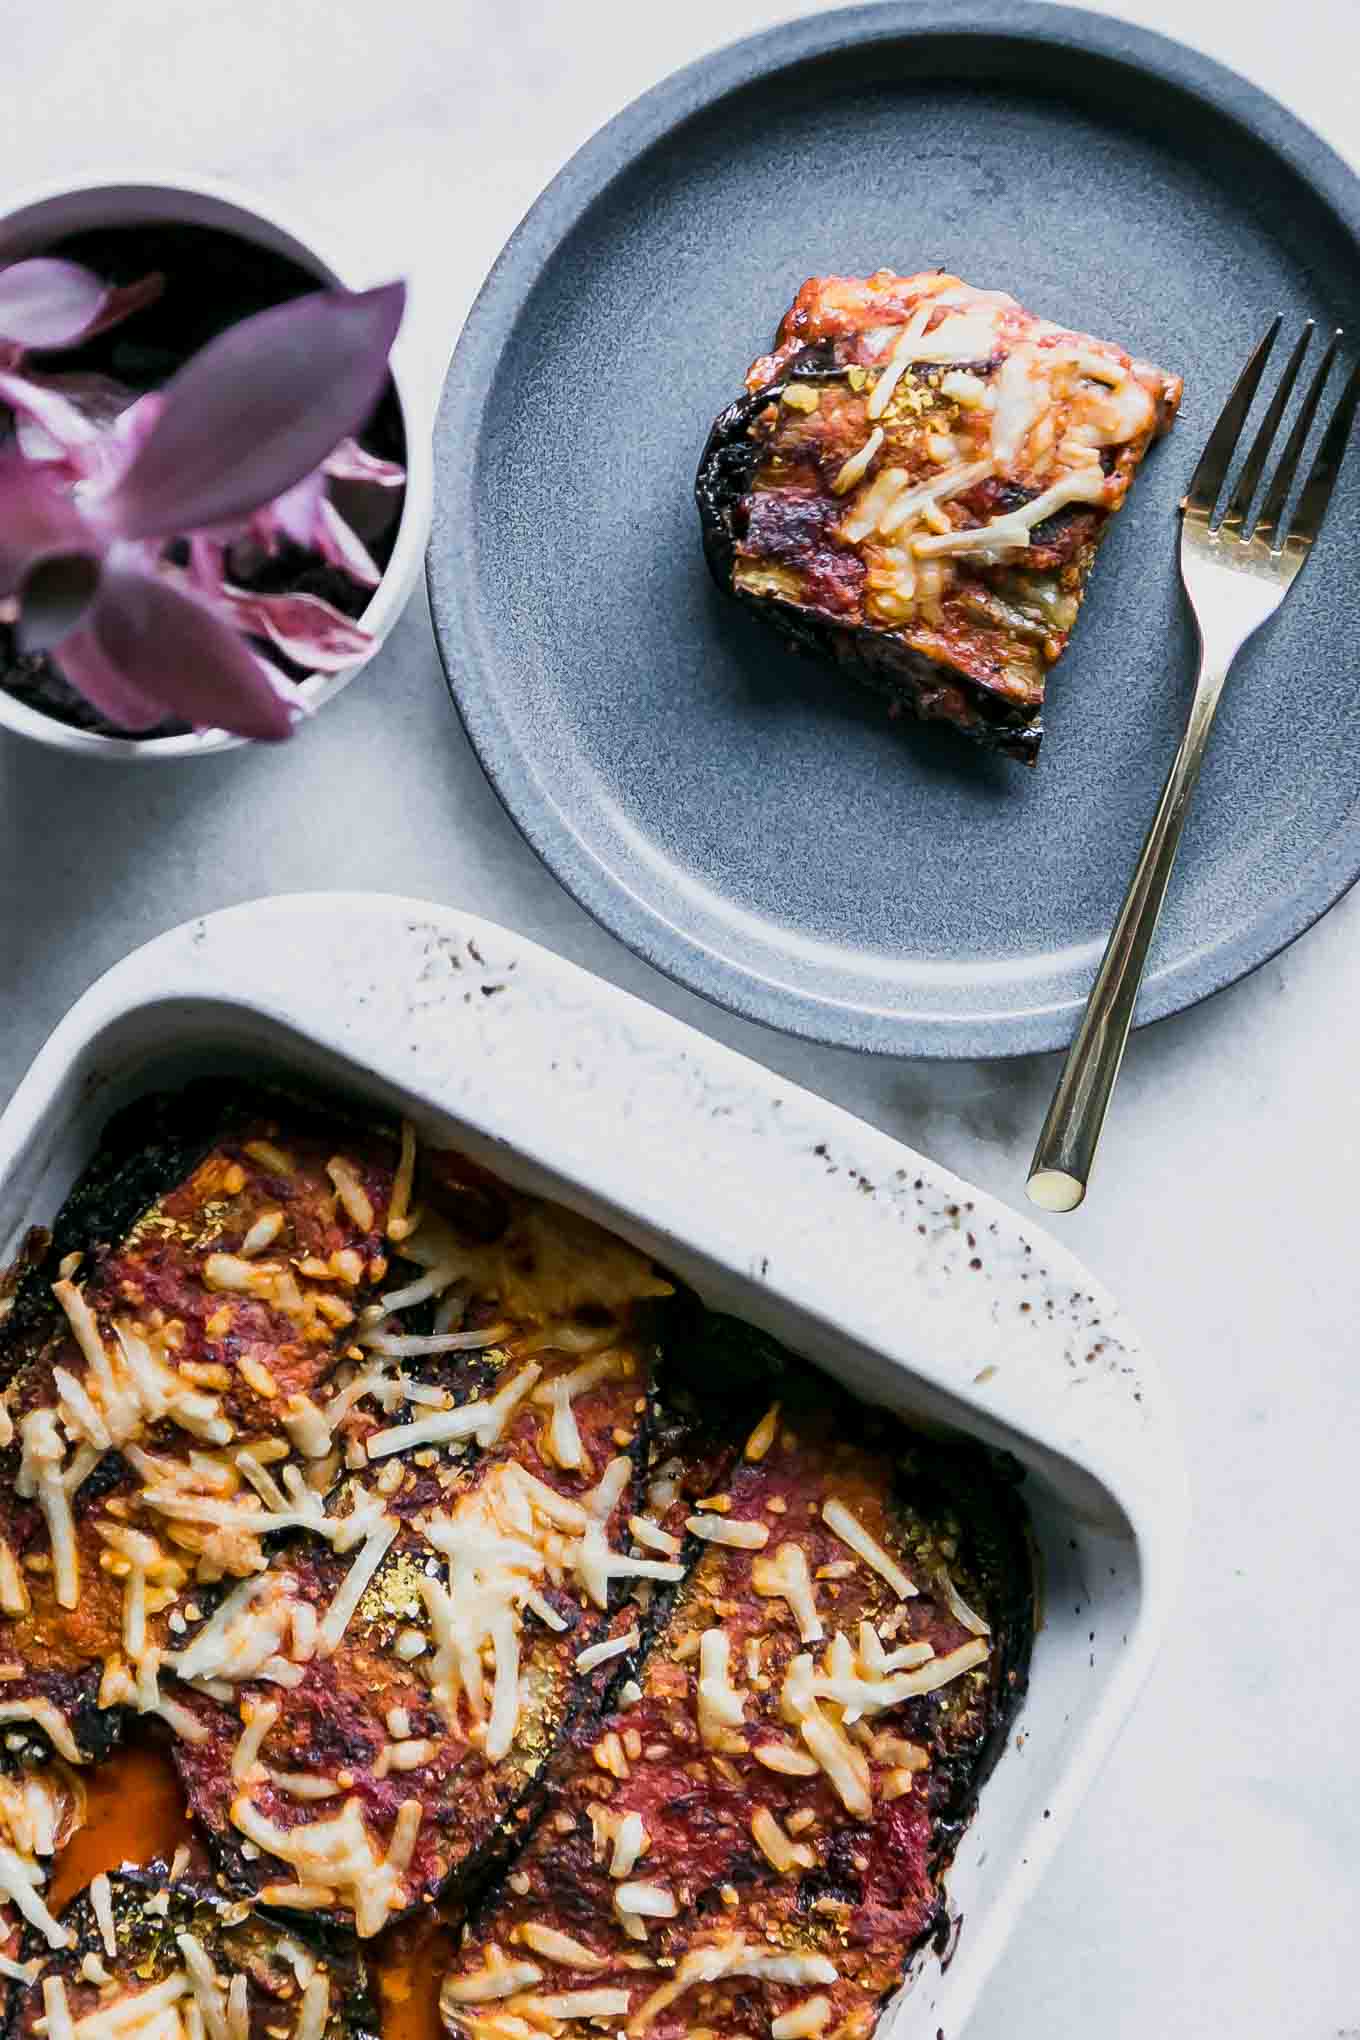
45 215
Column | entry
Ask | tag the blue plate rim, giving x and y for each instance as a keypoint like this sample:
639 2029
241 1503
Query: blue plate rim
1180 982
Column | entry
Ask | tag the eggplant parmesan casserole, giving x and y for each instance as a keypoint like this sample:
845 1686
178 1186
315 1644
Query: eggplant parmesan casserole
456 1553
915 486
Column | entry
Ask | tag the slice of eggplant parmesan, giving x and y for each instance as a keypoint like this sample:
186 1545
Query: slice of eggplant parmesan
365 1724
146 1959
915 485
196 1288
751 1836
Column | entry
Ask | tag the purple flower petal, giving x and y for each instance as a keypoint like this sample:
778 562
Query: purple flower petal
294 514
171 648
37 519
306 629
344 548
257 409
306 516
47 303
88 667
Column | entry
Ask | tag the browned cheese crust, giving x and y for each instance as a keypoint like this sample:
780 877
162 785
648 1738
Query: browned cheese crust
918 483
325 1465
175 1352
750 1841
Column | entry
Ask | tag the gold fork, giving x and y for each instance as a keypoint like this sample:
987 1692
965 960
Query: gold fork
1236 573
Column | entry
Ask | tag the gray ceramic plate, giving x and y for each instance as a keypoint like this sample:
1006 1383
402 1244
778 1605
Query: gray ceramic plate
745 820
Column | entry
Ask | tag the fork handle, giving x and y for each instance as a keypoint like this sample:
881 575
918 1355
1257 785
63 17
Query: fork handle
1067 1142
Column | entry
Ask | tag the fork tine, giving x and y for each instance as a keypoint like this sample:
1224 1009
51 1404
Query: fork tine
1277 495
1221 444
1317 490
1235 516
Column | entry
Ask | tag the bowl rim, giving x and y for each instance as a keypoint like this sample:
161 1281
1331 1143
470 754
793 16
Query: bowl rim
114 197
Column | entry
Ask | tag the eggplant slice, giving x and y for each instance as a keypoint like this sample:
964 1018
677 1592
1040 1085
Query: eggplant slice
415 1765
153 1961
205 1274
756 1825
915 485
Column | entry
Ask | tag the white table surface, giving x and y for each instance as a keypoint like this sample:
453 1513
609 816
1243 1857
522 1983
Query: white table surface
1211 1886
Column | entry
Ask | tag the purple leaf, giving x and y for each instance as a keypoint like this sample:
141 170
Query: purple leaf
133 427
351 462
306 629
295 513
47 303
54 598
336 542
79 427
257 409
122 300
169 647
306 516
89 669
37 519
64 425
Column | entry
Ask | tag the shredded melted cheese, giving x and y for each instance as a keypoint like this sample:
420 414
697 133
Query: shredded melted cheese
857 1682
1001 535
339 1856
731 1955
497 1978
1048 404
49 1718
786 1576
503 1543
803 2021
740 1534
845 1525
555 1946
37 1811
484 1422
721 1707
611 1647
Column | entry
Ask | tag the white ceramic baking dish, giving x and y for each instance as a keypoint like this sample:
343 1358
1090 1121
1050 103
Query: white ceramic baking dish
919 1292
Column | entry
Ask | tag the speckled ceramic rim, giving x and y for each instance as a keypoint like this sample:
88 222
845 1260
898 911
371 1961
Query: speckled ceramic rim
35 218
917 1290
456 597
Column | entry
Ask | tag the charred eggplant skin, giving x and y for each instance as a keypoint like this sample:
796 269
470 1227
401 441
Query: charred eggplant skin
726 470
143 1150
